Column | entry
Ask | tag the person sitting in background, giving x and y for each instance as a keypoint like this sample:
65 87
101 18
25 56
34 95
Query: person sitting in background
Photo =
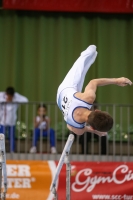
42 125
8 113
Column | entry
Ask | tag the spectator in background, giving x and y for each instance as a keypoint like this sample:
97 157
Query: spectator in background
8 113
42 125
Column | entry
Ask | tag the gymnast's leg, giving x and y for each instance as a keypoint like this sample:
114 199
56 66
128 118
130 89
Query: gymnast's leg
76 75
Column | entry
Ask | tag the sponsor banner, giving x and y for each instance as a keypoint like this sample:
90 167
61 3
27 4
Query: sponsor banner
98 180
29 180
105 6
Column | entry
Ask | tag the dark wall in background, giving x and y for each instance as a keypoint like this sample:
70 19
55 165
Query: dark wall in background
37 49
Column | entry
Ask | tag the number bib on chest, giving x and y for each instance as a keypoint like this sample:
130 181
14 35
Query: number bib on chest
65 105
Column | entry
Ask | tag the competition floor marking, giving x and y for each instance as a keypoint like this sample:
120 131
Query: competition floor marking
63 159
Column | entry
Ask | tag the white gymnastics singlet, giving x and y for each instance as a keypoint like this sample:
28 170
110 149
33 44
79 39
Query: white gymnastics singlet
68 103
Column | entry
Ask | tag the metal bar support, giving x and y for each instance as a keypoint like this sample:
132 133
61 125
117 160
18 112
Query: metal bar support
63 159
68 177
54 193
3 167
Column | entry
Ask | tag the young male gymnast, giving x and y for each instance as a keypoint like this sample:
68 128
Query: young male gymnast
75 105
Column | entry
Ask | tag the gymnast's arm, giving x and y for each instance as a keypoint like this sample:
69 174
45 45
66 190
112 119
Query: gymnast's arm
91 88
85 129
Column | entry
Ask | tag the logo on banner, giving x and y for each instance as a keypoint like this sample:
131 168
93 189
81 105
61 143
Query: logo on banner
19 176
84 179
26 178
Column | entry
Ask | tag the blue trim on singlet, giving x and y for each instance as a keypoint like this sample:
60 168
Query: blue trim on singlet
81 99
73 117
75 126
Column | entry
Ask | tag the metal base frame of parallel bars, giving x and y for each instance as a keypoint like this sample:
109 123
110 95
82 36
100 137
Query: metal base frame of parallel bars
3 184
64 159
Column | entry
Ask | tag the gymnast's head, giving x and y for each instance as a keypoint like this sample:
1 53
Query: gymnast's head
100 121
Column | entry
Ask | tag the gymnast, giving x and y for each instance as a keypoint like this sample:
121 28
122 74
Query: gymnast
76 105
